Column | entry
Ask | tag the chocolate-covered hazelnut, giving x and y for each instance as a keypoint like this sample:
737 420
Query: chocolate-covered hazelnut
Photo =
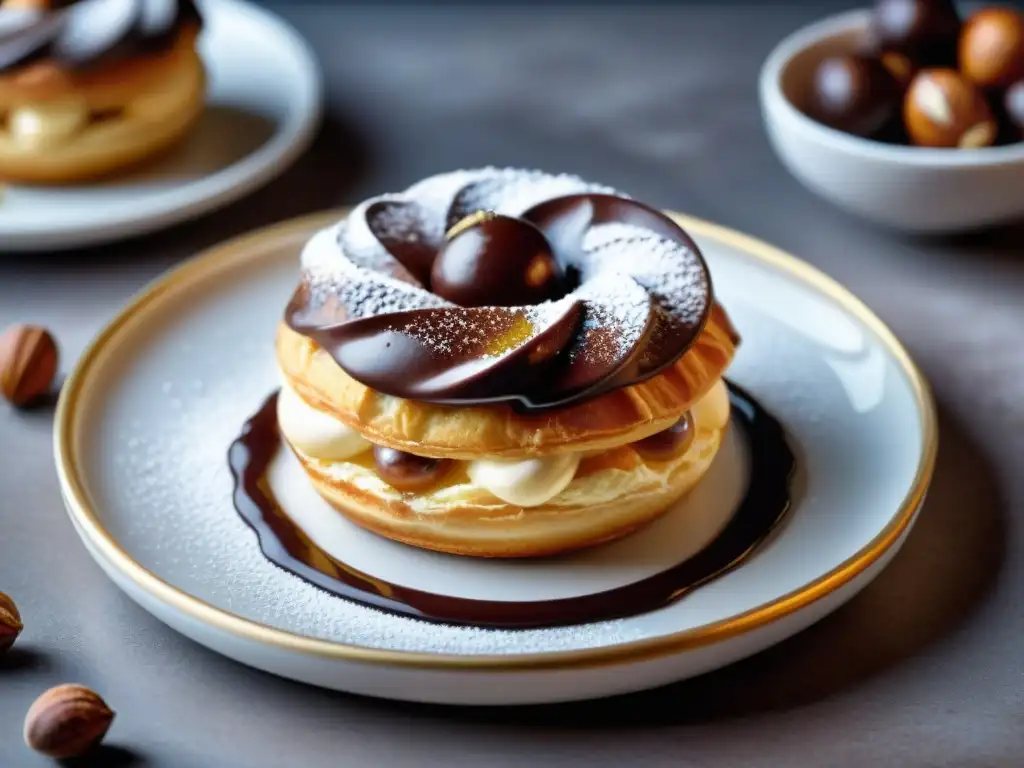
497 261
407 471
914 34
854 94
1013 112
943 109
991 51
669 443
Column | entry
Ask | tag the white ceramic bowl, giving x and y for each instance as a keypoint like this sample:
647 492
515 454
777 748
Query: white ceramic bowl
913 189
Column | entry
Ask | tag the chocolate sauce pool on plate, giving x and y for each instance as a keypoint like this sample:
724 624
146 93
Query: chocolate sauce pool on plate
283 543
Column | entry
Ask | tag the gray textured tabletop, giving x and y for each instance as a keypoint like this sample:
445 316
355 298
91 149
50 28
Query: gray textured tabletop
924 668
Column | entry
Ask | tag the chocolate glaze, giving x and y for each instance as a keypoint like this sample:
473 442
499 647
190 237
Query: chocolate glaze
85 33
378 352
573 355
766 501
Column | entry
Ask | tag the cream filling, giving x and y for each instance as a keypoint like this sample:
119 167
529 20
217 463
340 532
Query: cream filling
46 124
712 410
316 433
593 490
524 483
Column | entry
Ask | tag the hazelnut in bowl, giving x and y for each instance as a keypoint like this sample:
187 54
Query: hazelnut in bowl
908 113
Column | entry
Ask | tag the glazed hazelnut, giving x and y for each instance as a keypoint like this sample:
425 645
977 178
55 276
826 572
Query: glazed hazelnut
915 34
669 443
67 721
991 51
28 363
942 109
496 261
407 471
854 94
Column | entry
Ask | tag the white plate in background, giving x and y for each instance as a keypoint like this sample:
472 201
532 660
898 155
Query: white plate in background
262 109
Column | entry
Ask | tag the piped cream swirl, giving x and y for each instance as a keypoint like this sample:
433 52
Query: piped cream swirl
527 482
314 432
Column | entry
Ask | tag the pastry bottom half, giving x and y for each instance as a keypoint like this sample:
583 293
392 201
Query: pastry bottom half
613 493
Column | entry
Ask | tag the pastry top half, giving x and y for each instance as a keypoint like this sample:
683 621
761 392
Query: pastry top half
505 313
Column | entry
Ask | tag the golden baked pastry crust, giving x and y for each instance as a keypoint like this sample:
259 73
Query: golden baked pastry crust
112 144
473 522
610 420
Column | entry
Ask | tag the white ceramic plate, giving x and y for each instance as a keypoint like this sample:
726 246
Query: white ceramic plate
145 421
263 107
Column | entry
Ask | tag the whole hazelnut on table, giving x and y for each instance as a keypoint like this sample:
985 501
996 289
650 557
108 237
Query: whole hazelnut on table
854 94
991 52
942 109
67 721
28 363
10 623
915 34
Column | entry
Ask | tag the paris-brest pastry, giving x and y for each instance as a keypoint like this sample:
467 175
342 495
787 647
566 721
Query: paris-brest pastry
503 363
91 87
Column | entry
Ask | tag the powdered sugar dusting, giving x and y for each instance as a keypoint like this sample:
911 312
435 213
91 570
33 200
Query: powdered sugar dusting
613 300
366 294
426 210
669 271
638 287
359 290
470 331
512 192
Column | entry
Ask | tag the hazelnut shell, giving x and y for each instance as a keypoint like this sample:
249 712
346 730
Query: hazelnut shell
10 623
67 721
28 363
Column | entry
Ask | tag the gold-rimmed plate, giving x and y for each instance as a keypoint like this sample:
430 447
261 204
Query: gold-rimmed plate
145 420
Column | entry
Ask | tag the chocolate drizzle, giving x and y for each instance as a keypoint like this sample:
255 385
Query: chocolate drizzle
765 503
87 33
642 295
